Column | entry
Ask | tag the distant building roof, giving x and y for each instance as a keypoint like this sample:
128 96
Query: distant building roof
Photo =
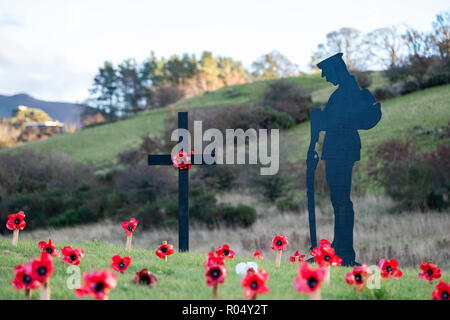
44 124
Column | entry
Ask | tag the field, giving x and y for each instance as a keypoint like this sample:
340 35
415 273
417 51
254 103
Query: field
182 277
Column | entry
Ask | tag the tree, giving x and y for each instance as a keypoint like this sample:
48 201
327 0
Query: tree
441 28
273 65
133 94
385 45
345 40
105 87
420 52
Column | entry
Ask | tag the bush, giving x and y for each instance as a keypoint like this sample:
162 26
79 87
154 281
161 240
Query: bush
409 86
397 73
363 78
437 79
416 179
167 95
289 97
218 177
288 203
382 94
274 119
241 215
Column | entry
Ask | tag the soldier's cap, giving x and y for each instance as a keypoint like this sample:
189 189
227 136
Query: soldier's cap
333 60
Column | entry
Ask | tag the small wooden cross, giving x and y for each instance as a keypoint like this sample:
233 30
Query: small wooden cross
183 185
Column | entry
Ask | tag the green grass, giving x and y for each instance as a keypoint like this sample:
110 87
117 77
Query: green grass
182 277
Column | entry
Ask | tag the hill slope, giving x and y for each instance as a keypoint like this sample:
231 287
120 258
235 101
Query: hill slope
100 145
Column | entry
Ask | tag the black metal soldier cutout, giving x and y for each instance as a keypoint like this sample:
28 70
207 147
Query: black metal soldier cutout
348 110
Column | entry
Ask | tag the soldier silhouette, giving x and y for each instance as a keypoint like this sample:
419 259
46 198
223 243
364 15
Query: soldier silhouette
348 110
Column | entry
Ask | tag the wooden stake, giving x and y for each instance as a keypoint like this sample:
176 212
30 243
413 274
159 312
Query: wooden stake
326 279
165 257
27 294
215 290
15 238
315 295
129 238
45 290
278 259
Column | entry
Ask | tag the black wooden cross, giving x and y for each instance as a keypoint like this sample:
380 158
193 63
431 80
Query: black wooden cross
183 185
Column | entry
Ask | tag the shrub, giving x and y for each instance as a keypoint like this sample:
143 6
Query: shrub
409 86
382 94
416 179
242 215
288 203
363 78
287 96
167 95
397 73
274 119
218 177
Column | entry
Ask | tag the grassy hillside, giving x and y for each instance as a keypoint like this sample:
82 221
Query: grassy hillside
423 109
182 277
100 145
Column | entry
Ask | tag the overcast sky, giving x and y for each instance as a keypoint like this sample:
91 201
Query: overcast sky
52 49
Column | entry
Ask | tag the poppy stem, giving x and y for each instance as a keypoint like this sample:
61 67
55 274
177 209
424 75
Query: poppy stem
215 290
254 296
15 238
326 279
27 294
278 259
45 290
165 257
129 238
315 295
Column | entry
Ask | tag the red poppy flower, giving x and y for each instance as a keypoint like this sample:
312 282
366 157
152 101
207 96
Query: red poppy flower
181 160
72 256
389 269
120 264
296 256
441 292
308 279
357 277
212 259
130 227
325 256
324 243
258 255
215 273
16 221
279 242
225 251
145 277
41 269
97 283
48 248
23 278
429 272
255 283
164 250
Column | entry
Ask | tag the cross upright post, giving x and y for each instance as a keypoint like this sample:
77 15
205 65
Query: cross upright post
183 185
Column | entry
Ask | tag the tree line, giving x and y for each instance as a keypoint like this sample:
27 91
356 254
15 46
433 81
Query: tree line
407 53
131 87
